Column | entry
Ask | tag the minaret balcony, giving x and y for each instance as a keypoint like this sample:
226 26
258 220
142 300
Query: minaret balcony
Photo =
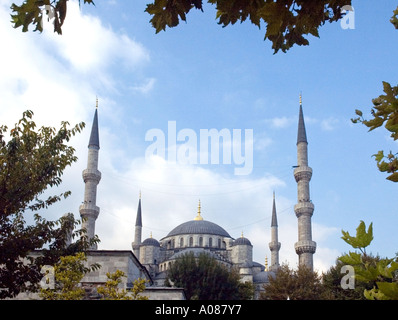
304 208
88 209
302 173
274 246
305 246
91 175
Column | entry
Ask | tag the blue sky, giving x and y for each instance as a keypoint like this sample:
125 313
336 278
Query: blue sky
203 76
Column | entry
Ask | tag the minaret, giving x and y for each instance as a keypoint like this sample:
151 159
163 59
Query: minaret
91 176
305 247
274 245
138 231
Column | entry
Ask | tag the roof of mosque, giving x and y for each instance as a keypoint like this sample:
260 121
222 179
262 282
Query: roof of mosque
199 227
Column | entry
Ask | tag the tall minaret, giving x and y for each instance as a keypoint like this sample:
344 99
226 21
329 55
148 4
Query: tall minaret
305 247
138 231
91 176
274 245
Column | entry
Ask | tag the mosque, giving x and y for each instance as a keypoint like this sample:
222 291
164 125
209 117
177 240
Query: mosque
151 258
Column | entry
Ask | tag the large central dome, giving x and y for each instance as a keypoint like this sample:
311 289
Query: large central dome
198 227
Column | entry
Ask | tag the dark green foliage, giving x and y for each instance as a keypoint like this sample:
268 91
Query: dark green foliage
30 162
33 12
300 284
331 281
385 112
204 278
287 21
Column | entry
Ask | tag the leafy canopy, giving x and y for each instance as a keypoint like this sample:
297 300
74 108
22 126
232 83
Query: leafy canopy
287 21
204 278
32 12
385 112
382 274
110 290
300 284
68 273
33 160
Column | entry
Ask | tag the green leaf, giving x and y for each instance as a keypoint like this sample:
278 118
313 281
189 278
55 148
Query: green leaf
393 177
352 258
379 155
362 238
389 290
358 112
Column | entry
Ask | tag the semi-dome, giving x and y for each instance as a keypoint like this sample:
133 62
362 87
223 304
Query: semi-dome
198 227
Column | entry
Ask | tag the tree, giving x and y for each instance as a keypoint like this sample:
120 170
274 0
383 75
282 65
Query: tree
67 276
300 284
110 290
384 112
331 282
33 12
287 21
381 274
31 162
204 278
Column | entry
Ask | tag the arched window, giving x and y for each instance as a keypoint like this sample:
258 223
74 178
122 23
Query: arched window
210 242
173 243
200 241
191 242
181 242
219 242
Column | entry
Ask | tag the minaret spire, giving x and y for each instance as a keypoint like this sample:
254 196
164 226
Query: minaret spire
89 211
305 247
138 230
274 245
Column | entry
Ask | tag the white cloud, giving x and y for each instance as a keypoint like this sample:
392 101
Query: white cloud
145 87
170 194
281 122
329 124
57 76
261 142
88 45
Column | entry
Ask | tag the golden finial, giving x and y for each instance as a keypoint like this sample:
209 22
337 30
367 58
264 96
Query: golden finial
151 235
301 99
140 194
266 263
198 217
241 235
96 102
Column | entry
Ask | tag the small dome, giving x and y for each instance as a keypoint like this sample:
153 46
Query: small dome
242 241
151 242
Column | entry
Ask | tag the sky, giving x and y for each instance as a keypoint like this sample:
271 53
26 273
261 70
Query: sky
196 77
